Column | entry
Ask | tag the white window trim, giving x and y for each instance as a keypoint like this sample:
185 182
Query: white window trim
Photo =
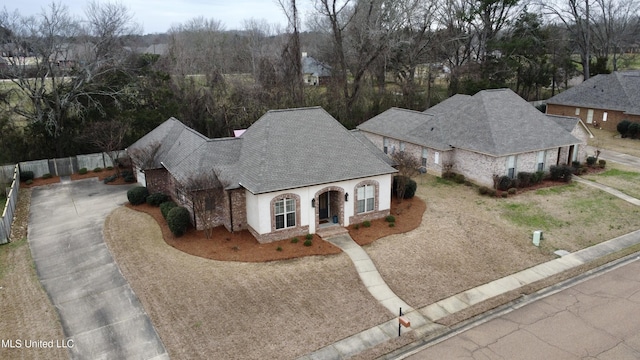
369 201
286 211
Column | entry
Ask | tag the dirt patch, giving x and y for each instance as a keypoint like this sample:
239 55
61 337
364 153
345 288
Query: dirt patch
206 309
27 313
408 216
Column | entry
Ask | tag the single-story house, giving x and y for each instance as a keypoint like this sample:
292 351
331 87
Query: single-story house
290 173
492 133
602 101
314 72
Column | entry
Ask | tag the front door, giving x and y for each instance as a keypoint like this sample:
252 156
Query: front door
323 205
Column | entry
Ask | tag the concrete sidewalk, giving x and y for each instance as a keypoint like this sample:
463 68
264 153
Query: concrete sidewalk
426 327
99 312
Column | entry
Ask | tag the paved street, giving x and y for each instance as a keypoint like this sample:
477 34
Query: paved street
595 319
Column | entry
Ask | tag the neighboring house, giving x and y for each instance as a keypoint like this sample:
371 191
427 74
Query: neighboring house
292 172
494 132
314 72
602 101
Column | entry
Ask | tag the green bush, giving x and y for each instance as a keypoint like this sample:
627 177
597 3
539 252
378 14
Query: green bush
623 127
504 195
483 190
390 218
634 130
137 195
29 182
409 187
279 248
356 226
512 191
575 164
47 176
308 242
109 168
492 192
537 177
294 240
156 199
504 183
98 169
165 207
109 179
602 163
561 173
82 171
458 179
26 175
524 179
366 223
178 220
308 236
392 224
129 179
591 160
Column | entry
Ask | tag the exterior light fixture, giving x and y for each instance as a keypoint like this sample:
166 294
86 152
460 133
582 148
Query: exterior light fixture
346 197
313 203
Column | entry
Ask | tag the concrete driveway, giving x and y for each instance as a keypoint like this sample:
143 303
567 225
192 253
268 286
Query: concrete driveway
101 316
618 157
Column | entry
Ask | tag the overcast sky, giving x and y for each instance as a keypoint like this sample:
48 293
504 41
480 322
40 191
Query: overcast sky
157 16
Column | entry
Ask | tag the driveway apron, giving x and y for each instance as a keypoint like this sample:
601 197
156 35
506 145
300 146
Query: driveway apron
101 316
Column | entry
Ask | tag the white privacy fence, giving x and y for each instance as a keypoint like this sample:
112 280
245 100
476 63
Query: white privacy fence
10 205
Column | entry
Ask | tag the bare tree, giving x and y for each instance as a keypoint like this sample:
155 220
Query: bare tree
291 53
108 136
61 69
207 198
615 23
145 157
408 166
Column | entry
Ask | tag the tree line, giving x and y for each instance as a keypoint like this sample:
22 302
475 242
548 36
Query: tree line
67 81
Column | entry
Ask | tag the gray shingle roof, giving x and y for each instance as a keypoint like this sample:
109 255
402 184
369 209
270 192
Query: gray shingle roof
293 148
284 149
493 122
616 91
449 104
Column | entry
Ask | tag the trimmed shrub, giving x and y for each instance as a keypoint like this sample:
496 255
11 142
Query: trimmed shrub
483 190
409 187
165 207
137 195
390 219
83 171
492 192
29 182
634 130
392 224
308 236
156 199
129 179
591 160
279 248
366 223
26 175
602 163
504 183
109 179
575 164
47 176
356 226
561 173
512 191
178 220
98 169
458 179
294 240
308 242
109 167
623 127
524 179
537 177
504 195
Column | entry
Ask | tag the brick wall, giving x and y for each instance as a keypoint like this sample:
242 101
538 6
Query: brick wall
613 117
376 213
159 180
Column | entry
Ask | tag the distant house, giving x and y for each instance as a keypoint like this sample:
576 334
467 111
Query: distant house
290 173
314 72
602 101
494 132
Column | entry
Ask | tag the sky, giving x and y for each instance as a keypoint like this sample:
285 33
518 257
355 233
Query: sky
157 16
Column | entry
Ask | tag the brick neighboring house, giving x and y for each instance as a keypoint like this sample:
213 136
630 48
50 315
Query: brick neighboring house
494 132
292 172
602 101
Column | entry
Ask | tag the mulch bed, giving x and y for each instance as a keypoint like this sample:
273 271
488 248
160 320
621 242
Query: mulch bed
242 246
56 179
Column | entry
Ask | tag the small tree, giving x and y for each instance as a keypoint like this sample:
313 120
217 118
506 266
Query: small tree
623 127
145 157
108 137
207 197
408 166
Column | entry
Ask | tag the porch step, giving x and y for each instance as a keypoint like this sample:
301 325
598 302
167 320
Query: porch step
331 231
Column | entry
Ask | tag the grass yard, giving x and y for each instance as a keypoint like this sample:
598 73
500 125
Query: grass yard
611 140
467 240
619 177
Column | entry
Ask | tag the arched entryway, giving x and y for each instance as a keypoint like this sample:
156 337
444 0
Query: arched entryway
329 207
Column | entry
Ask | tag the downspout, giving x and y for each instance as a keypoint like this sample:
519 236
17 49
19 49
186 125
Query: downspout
230 209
